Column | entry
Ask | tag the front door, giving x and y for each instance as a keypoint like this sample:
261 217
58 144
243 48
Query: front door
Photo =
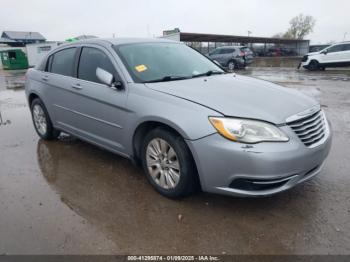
101 110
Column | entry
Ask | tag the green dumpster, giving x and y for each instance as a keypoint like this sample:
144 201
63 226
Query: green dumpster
14 59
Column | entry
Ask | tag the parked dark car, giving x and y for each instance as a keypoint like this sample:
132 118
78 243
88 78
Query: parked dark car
280 51
232 57
317 48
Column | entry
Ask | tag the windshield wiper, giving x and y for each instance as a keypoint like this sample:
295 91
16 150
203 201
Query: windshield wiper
209 73
167 78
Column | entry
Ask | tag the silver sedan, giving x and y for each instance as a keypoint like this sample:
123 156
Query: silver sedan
181 117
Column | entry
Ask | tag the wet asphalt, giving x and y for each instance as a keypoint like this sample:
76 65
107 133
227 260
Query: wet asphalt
69 197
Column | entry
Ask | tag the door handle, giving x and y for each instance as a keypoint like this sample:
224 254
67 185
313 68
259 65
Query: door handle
77 86
45 78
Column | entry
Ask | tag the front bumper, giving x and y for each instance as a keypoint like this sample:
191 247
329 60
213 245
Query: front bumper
303 64
262 169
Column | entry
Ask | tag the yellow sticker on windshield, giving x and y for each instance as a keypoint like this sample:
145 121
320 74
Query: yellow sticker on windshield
141 68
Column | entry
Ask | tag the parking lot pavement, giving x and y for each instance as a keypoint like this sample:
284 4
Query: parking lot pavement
68 197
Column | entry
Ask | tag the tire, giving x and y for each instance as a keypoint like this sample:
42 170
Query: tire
42 122
232 65
313 65
170 182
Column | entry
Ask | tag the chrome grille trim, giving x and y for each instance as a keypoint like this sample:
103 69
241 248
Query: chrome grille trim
311 129
315 126
312 119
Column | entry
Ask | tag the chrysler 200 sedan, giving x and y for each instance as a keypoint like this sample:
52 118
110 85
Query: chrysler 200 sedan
188 123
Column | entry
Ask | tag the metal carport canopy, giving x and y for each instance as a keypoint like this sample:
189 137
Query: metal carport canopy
198 37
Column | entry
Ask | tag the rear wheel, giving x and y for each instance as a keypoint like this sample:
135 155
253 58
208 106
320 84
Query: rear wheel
168 164
232 65
42 122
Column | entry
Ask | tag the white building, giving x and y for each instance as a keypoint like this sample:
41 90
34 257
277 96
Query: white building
36 52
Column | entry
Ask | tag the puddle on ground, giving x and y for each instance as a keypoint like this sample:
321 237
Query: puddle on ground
69 197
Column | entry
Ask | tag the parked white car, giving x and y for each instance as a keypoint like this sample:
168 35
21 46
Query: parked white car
336 55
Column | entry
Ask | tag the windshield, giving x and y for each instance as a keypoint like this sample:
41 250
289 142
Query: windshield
155 62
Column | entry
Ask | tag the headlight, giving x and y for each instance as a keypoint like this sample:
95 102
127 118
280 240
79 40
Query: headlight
247 131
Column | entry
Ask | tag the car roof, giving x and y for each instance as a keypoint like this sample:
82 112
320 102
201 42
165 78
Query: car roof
341 43
122 41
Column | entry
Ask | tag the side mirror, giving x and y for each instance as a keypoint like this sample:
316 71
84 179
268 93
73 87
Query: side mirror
104 76
325 52
108 79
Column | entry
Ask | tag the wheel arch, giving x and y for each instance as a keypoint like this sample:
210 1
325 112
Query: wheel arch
314 60
231 60
31 97
146 126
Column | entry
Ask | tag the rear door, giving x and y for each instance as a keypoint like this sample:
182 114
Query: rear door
58 79
99 109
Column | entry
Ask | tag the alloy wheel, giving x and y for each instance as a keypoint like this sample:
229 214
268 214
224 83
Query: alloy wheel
39 119
163 163
231 66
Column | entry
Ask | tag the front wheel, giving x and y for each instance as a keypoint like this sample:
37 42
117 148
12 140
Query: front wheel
313 65
42 122
168 164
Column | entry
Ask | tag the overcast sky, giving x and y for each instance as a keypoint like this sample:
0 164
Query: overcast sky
58 20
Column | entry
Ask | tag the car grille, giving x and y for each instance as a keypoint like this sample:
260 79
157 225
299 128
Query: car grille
305 57
310 129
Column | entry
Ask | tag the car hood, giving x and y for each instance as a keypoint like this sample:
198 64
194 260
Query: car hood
239 96
313 53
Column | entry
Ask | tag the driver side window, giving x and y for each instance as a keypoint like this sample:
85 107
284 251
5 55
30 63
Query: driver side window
91 59
336 48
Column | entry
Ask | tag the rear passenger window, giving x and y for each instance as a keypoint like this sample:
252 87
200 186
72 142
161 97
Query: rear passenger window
90 59
63 62
227 51
346 47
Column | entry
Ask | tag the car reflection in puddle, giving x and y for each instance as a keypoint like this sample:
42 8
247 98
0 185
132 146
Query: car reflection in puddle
112 194
108 191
